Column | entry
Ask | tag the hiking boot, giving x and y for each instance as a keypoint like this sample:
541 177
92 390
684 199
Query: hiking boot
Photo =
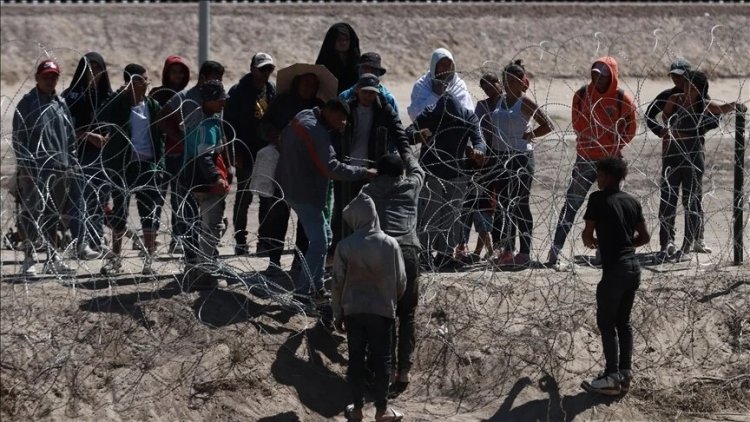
112 266
86 253
626 377
700 247
445 262
55 265
28 267
522 260
607 384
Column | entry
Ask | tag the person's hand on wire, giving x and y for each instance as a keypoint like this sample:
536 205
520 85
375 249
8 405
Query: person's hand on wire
424 136
221 186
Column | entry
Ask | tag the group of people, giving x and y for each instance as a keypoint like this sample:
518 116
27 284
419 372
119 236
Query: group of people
371 211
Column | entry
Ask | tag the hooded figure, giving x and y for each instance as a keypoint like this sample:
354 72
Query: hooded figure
369 275
163 93
604 121
83 99
423 94
343 65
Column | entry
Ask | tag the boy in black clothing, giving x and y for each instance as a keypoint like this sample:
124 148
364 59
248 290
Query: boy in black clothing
617 219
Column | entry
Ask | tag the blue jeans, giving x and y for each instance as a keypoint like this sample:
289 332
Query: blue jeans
318 232
584 175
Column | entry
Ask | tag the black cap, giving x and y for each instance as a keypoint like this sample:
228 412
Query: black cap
679 66
372 59
212 90
369 82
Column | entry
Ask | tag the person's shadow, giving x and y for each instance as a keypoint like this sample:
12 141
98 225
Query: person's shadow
220 308
318 388
554 408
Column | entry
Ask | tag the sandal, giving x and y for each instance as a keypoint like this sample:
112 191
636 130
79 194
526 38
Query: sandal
353 414
390 415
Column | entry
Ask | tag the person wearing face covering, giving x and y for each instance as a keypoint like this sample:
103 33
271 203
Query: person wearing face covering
605 122
88 90
441 77
340 54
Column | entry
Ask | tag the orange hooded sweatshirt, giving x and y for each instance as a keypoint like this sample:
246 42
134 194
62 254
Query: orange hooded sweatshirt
603 126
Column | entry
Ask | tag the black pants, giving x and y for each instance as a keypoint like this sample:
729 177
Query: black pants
685 171
244 166
407 306
513 213
273 214
369 335
614 302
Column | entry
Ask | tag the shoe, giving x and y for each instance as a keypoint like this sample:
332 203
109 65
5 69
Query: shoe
274 270
105 252
353 414
55 265
176 248
607 384
321 296
505 258
28 267
445 262
85 252
681 256
388 415
241 249
396 388
552 258
626 377
522 260
700 247
112 266
147 266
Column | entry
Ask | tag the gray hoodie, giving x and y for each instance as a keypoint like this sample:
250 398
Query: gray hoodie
368 271
396 200
308 161
43 133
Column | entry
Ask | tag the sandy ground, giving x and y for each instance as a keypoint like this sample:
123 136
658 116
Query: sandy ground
492 345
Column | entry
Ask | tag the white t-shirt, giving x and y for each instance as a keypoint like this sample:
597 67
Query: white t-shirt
140 131
361 139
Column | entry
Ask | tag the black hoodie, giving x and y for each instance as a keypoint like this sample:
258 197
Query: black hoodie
345 71
83 101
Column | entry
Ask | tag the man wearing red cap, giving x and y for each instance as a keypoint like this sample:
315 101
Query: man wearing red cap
44 143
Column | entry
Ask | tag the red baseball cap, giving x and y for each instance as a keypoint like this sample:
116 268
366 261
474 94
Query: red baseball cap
48 66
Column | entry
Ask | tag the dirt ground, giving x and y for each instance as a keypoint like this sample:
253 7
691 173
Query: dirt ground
492 345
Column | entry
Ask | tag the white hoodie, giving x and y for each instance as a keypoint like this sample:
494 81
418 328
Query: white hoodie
422 95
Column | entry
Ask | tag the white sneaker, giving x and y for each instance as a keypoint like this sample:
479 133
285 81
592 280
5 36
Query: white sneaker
112 266
55 265
607 384
86 253
700 247
28 267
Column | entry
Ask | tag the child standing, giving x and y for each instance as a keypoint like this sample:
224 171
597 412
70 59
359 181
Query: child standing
369 279
206 178
617 219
